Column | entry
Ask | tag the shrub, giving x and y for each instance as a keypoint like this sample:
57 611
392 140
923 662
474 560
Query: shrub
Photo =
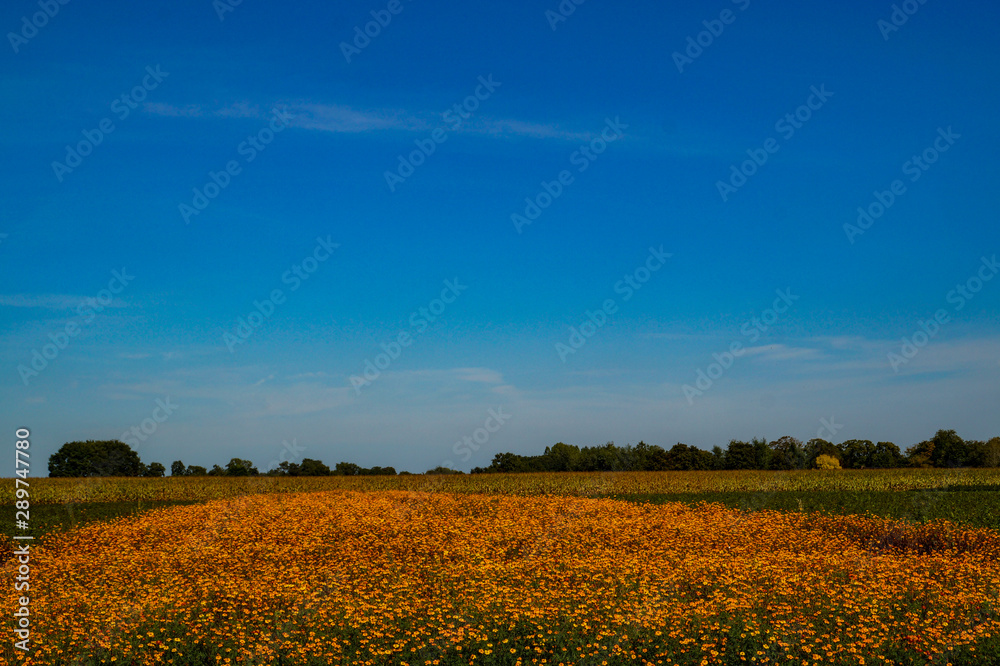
827 462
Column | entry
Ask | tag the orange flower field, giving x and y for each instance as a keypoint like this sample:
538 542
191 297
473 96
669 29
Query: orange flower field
399 577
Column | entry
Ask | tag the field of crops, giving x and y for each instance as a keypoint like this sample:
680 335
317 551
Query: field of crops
433 578
569 483
524 569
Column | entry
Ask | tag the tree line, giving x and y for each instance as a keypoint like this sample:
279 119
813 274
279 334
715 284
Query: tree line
945 449
116 458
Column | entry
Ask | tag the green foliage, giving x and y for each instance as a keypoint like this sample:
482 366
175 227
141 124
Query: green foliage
48 518
240 467
919 455
991 453
817 447
561 457
350 469
740 455
856 453
949 450
970 508
787 453
886 456
945 449
308 467
443 470
347 469
682 457
95 458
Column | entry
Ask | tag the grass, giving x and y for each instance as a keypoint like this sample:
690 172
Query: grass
972 508
587 484
46 518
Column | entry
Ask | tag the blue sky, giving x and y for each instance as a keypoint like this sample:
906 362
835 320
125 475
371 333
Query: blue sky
599 100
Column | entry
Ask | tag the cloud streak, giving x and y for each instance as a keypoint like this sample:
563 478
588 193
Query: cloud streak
342 119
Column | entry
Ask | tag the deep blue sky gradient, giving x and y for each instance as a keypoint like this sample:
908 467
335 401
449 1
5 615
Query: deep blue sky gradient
496 345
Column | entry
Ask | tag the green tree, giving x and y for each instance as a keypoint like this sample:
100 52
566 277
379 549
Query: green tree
95 458
856 453
561 457
787 453
991 453
154 470
919 455
976 453
346 469
443 470
177 468
684 457
817 447
950 450
285 468
216 471
240 467
310 467
196 470
506 463
761 453
886 456
740 455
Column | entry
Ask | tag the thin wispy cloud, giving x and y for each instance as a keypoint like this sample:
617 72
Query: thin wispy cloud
45 301
171 111
343 119
780 352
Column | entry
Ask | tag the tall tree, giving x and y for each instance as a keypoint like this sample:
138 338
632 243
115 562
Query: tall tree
95 458
740 455
885 456
856 453
240 467
787 453
817 447
950 450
